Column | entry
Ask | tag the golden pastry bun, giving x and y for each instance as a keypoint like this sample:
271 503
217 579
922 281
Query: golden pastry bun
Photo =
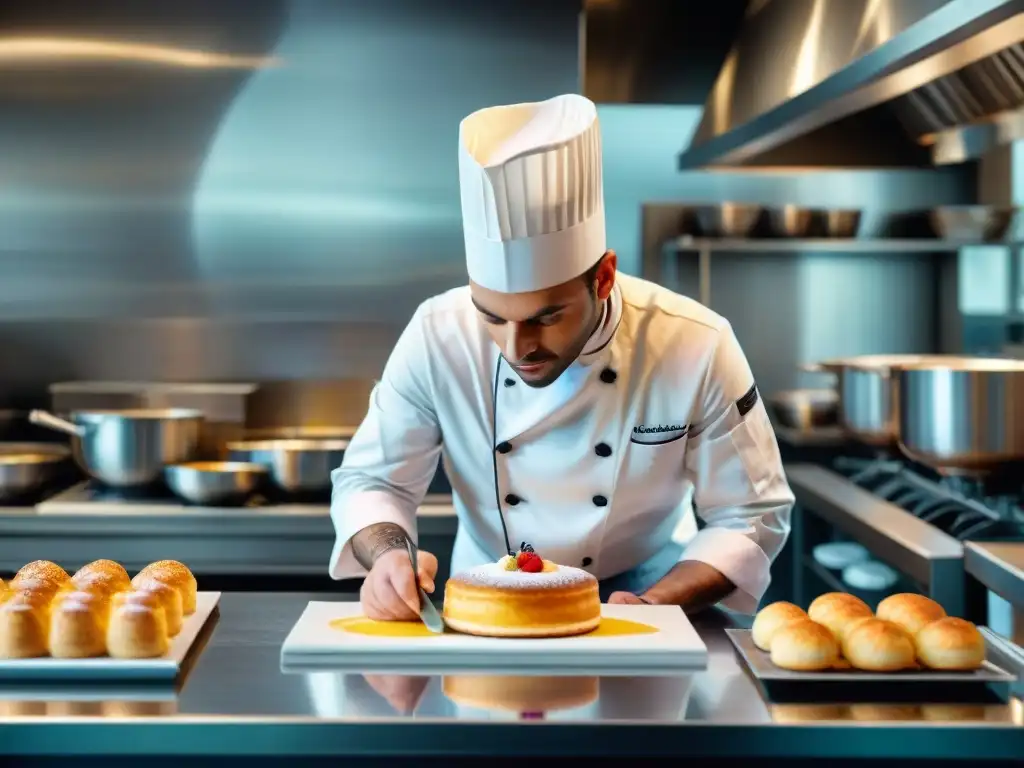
137 631
156 593
804 646
837 610
911 611
40 588
950 644
173 574
102 577
78 625
770 619
24 626
42 570
96 612
875 645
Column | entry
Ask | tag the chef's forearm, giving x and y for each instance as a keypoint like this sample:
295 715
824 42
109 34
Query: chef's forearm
374 540
692 585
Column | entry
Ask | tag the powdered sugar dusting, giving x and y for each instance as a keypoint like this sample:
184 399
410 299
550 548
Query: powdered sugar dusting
495 575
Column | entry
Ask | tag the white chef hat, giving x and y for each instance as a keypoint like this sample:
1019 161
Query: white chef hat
532 197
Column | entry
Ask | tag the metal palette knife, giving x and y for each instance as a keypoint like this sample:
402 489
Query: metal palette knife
428 613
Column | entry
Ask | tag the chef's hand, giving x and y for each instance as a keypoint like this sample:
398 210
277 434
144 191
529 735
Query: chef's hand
401 692
389 591
626 598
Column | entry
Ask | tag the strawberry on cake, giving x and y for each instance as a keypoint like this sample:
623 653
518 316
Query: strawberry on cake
522 595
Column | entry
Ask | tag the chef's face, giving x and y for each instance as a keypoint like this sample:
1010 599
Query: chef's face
541 333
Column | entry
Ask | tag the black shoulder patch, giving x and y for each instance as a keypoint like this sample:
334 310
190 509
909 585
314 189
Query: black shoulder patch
746 403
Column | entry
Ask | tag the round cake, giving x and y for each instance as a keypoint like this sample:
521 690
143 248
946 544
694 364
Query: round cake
522 596
520 694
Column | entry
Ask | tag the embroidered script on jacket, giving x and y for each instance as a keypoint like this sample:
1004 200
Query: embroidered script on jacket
658 434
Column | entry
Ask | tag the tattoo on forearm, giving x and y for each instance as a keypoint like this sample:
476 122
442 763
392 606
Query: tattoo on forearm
374 540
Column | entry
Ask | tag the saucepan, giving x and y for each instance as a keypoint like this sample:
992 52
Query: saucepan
27 467
214 482
962 415
128 448
295 465
868 395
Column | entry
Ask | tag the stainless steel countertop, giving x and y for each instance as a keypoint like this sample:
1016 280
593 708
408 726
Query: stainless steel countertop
235 700
999 565
293 539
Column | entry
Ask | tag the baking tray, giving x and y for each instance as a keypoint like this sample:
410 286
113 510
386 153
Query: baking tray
842 683
674 648
107 670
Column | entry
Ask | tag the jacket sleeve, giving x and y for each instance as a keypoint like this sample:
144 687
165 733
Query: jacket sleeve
740 487
393 456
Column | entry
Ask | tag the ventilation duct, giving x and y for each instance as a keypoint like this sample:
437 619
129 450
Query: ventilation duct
872 82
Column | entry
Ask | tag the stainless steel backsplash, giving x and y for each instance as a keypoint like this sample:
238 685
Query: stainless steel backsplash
161 222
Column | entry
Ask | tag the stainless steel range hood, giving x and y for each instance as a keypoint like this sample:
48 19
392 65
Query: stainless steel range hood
866 82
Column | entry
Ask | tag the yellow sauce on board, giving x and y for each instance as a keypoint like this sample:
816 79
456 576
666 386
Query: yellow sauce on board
360 625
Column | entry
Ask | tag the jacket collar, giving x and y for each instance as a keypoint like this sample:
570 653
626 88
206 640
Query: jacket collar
611 316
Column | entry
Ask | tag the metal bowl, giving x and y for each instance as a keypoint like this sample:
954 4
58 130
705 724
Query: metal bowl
727 219
972 223
789 221
214 482
26 467
838 222
295 466
805 409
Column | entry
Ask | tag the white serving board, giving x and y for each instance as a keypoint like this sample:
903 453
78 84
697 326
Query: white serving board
314 644
105 669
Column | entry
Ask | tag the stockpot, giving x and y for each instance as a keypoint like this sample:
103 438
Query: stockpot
128 448
962 415
868 394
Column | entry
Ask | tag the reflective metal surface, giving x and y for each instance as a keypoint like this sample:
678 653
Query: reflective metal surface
805 409
801 65
964 415
790 221
270 158
129 447
1000 567
973 223
726 219
295 466
25 467
236 700
869 398
841 223
214 482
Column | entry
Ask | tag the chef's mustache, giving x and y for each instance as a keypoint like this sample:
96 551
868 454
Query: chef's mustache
535 357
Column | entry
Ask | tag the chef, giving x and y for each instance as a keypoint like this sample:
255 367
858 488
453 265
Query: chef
576 409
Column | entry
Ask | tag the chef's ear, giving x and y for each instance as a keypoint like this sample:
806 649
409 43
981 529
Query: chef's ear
604 277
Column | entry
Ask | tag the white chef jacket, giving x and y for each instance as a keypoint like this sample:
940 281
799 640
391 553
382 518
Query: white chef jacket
595 470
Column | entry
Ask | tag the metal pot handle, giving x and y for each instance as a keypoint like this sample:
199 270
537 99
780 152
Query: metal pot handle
44 419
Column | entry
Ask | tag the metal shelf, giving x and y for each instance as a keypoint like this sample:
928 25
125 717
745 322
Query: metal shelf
705 246
833 245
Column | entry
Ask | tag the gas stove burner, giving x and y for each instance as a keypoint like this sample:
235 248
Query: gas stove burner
97 491
955 505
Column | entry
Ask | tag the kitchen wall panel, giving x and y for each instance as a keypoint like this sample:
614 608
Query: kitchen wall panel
167 223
